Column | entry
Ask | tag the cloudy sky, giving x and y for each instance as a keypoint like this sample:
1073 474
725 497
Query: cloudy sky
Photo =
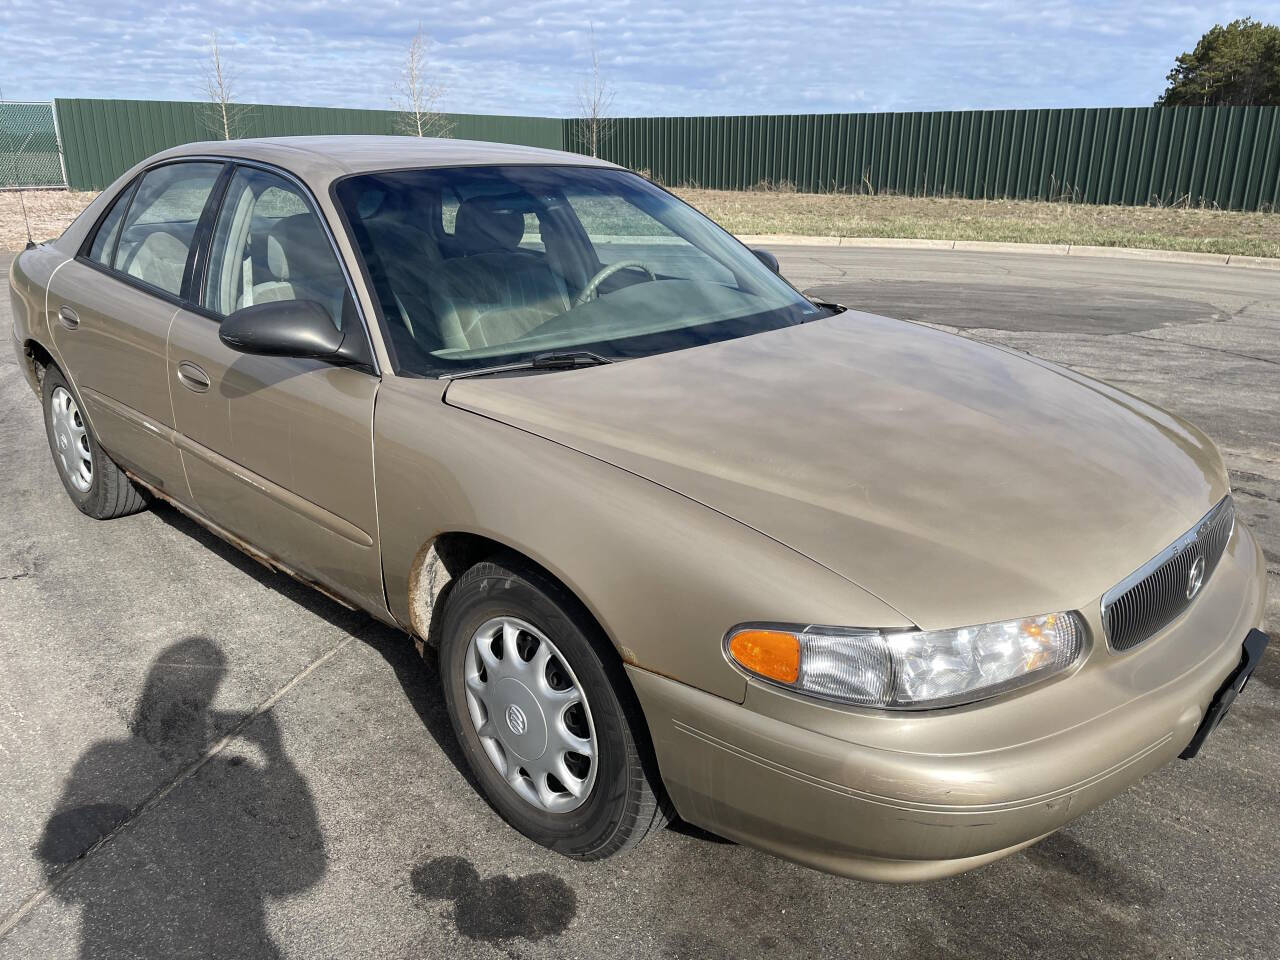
678 57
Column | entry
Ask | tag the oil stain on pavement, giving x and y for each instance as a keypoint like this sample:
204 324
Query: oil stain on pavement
497 908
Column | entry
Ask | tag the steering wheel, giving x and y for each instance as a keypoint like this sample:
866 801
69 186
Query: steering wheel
604 273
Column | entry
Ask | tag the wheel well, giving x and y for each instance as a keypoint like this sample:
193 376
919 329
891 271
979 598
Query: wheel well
446 558
441 561
38 359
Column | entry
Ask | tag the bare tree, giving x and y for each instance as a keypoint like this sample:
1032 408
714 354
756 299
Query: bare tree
225 118
419 95
595 100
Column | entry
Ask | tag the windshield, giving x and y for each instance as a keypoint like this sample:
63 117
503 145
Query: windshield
476 267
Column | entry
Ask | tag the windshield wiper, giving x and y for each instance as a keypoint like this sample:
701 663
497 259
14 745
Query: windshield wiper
833 307
567 360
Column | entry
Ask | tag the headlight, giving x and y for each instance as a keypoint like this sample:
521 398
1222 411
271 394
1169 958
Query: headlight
911 669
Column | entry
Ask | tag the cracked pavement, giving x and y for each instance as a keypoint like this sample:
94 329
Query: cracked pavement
201 758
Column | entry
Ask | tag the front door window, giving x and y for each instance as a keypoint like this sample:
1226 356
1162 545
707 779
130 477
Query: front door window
270 245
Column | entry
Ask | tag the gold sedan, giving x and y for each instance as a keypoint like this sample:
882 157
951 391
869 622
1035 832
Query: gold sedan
873 597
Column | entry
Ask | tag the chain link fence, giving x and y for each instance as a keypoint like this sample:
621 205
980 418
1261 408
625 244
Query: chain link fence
30 148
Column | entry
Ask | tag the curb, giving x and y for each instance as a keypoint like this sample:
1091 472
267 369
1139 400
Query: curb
991 246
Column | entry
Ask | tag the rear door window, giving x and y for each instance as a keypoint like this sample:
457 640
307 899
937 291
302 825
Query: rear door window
104 241
158 230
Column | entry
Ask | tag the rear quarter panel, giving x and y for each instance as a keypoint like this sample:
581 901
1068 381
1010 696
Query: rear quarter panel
665 577
28 280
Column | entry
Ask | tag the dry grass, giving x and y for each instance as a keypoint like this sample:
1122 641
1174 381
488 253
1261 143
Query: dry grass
1016 221
50 212
809 214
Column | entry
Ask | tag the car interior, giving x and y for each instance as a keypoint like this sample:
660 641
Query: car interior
159 225
488 268
269 246
268 243
491 280
467 264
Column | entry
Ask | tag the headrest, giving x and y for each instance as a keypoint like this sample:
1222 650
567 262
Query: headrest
297 245
371 202
488 224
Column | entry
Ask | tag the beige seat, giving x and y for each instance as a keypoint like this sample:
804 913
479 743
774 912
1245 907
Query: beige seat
160 260
300 266
415 252
492 292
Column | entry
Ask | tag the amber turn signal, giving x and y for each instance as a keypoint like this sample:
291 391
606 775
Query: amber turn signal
769 653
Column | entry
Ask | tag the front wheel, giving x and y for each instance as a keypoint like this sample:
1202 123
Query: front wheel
95 484
546 722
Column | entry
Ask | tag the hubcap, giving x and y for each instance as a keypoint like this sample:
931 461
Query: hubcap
70 439
530 714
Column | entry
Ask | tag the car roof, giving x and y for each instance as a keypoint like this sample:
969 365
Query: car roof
320 159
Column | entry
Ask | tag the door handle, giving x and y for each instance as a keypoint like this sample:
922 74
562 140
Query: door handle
68 317
192 377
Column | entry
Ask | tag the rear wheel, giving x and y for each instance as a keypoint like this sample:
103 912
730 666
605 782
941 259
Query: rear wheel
546 721
95 484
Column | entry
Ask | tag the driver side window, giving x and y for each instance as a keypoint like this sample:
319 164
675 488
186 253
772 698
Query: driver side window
269 245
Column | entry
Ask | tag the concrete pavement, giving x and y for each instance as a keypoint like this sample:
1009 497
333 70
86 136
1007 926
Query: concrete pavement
1002 247
257 772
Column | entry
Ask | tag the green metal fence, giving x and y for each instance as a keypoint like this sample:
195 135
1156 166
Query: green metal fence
29 150
1216 156
1227 157
103 138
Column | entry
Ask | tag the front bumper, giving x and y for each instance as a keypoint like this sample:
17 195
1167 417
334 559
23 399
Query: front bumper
909 797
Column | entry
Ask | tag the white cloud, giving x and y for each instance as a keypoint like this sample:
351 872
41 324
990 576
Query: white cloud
713 56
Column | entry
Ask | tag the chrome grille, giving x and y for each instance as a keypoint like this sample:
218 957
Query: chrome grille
1155 594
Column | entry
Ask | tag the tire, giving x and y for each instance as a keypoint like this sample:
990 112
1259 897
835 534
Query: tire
93 482
621 800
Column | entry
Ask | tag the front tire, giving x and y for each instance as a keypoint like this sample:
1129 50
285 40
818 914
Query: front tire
545 716
94 483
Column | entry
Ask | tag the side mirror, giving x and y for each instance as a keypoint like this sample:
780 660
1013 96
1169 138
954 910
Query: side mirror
767 258
289 328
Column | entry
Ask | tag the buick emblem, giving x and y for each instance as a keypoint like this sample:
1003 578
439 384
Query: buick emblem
518 723
1195 579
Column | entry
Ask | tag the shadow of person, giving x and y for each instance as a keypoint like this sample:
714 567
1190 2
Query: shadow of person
188 872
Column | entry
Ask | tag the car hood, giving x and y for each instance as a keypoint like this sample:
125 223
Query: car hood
956 481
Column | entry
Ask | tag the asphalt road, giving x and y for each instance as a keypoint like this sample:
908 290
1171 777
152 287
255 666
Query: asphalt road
255 771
